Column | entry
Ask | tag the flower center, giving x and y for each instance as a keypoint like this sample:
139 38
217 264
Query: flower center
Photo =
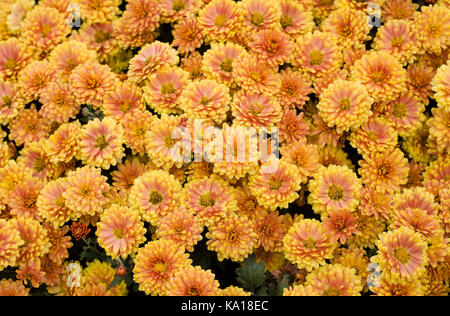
257 19
344 104
205 100
378 76
60 201
125 105
227 65
92 82
160 267
100 142
383 170
45 30
339 223
10 63
316 57
309 243
220 20
168 141
206 200
101 36
233 236
192 291
168 88
435 30
331 292
85 191
178 5
249 205
397 41
275 184
290 87
118 233
38 164
286 21
29 202
273 45
335 192
402 255
399 110
399 290
7 101
155 197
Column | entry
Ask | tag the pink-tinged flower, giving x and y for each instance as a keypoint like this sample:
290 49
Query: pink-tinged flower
11 174
335 280
154 194
271 47
376 134
30 273
61 5
440 128
98 37
270 229
330 155
260 15
151 58
351 55
163 91
405 113
14 57
187 35
35 236
399 39
321 134
401 254
322 83
126 173
375 203
252 75
44 28
68 55
123 100
193 281
334 188
346 105
35 156
28 126
22 200
141 15
441 85
90 82
419 221
385 171
295 21
193 65
58 103
255 110
349 25
436 176
206 100
11 101
340 224
120 231
35 77
101 143
176 10
95 11
128 38
19 10
9 287
219 59
64 143
302 155
294 89
316 54
276 184
292 127
219 20
434 31
10 241
135 127
307 244
416 197
210 199
399 10
381 74
85 191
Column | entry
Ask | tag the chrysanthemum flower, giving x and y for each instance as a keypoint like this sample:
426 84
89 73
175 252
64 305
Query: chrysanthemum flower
381 74
219 59
187 35
254 76
349 25
418 220
436 176
61 5
193 65
439 125
260 15
59 243
44 28
441 85
401 254
58 103
193 281
345 104
98 37
22 200
10 241
11 175
232 238
355 258
275 184
18 12
292 126
135 127
316 54
154 194
391 287
163 140
385 171
35 237
434 31
14 57
35 156
64 143
124 99
340 224
156 264
300 290
98 11
375 203
101 274
120 231
334 187
93 290
176 10
304 156
255 110
272 47
405 113
35 77
9 287
126 173
294 89
151 58
28 126
419 145
11 101
164 90
295 21
127 37
210 199
399 39
206 100
307 244
68 55
416 197
30 273
101 143
335 280
85 191
330 155
141 15
399 10
247 204
270 230
375 135
369 228
234 291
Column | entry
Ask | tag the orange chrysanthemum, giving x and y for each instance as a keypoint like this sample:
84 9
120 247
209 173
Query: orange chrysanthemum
335 280
10 241
434 31
193 281
305 157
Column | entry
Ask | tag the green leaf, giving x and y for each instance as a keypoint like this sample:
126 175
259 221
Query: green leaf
251 275
117 280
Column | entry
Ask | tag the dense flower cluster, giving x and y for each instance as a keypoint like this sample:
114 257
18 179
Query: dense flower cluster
145 143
